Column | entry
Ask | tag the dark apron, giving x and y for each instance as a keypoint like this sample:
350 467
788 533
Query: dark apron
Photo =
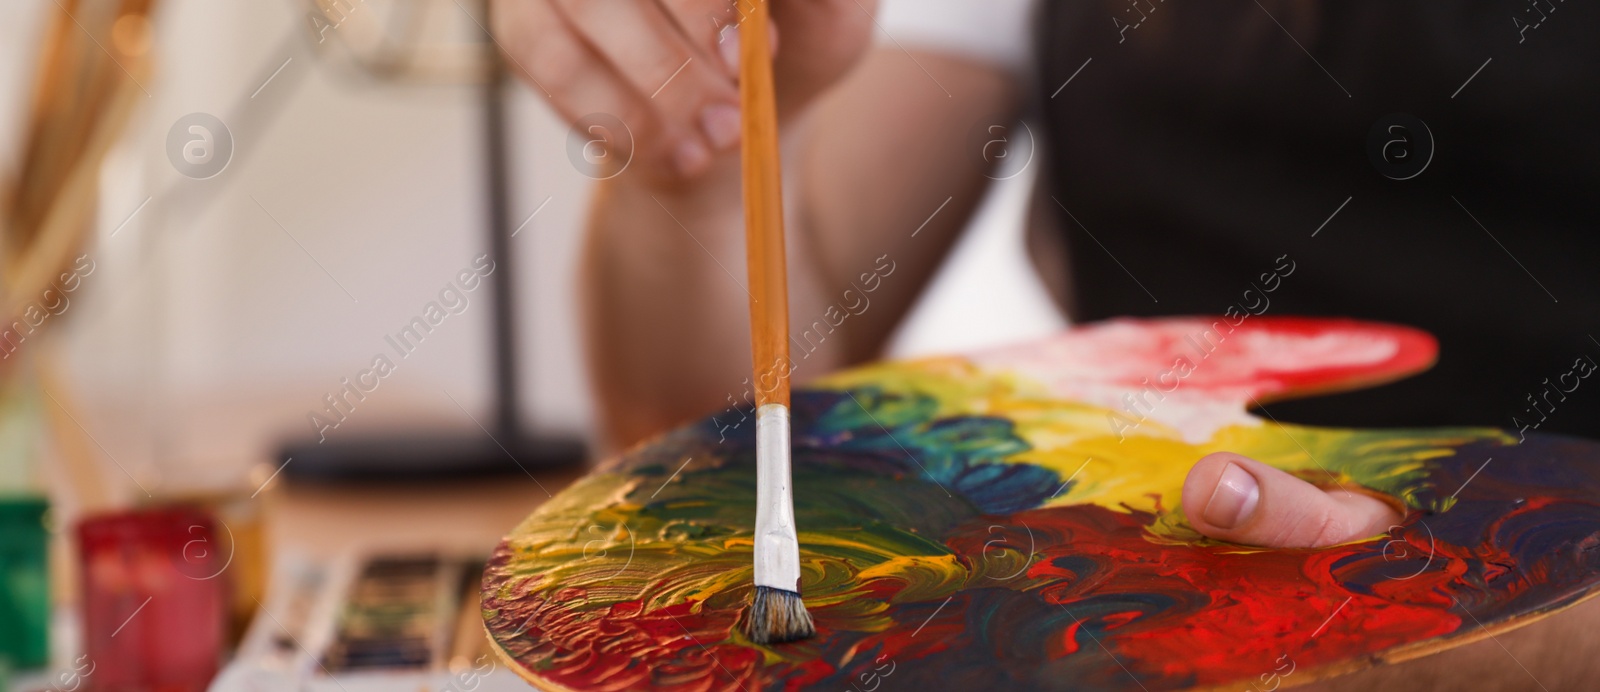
1201 145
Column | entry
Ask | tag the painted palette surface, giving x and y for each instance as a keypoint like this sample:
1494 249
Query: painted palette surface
1012 518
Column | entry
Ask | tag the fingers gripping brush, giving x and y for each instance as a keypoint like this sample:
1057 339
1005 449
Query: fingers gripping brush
777 613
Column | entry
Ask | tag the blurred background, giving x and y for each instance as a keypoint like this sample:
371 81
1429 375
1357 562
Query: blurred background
221 311
338 182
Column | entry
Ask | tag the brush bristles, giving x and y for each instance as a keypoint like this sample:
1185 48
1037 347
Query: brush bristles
777 616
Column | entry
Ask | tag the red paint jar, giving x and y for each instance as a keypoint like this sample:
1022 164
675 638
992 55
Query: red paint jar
154 599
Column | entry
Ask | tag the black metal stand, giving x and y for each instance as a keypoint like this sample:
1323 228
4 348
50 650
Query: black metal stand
503 447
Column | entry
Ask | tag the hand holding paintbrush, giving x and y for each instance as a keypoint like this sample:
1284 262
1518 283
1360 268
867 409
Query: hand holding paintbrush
777 614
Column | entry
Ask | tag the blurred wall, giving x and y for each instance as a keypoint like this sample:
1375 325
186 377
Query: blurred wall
223 310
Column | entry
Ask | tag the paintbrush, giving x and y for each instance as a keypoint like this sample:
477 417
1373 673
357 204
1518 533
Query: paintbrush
776 614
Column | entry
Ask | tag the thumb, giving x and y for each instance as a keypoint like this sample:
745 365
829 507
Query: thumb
1233 498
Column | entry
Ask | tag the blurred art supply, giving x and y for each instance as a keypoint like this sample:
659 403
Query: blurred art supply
92 63
244 540
777 614
24 536
155 601
77 454
21 417
395 616
371 622
24 583
240 544
1011 519
92 60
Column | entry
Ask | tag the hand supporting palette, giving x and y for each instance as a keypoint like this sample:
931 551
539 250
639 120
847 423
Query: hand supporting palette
1011 518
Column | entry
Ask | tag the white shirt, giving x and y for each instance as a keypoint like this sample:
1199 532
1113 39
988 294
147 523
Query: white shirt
996 31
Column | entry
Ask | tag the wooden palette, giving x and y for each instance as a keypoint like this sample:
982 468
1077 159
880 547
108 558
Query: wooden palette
1011 520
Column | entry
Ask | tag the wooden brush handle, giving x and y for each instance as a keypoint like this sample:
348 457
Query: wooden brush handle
763 211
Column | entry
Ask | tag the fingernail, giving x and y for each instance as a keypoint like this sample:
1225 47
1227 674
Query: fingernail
1234 499
691 157
728 45
721 123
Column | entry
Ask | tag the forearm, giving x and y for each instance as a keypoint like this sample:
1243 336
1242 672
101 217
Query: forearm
663 299
894 173
882 183
666 310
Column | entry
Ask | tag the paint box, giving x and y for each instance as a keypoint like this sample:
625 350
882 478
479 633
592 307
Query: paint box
370 621
154 599
395 615
24 583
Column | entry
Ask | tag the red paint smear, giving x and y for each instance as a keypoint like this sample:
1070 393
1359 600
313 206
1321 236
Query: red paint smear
1067 644
1415 352
1232 366
1232 614
683 647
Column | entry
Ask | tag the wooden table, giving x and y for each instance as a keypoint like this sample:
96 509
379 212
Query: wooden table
322 522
